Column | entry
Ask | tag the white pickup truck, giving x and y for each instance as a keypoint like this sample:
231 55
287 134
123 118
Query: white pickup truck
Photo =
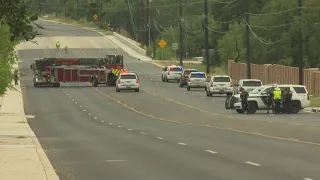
247 84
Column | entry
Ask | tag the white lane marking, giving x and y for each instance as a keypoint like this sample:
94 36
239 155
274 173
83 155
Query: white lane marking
72 99
67 94
159 137
116 160
251 163
102 121
119 126
183 144
110 124
209 151
76 102
129 129
203 97
84 110
142 133
95 118
307 179
80 106
89 114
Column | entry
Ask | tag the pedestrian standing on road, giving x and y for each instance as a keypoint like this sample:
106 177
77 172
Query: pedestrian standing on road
277 99
286 100
244 100
16 72
270 100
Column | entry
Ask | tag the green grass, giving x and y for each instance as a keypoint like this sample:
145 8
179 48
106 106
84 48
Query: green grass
199 67
315 101
81 22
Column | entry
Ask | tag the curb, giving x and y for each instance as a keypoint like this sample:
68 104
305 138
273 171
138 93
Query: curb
315 110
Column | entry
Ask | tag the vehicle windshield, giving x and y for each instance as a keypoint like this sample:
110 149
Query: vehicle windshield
252 83
128 76
221 79
187 72
198 75
175 69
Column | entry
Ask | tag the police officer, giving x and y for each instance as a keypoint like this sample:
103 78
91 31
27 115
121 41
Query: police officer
286 100
58 45
244 99
16 76
270 100
277 99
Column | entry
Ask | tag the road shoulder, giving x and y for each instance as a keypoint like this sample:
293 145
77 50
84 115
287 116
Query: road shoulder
22 156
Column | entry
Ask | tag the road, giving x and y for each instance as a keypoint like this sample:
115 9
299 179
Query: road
162 132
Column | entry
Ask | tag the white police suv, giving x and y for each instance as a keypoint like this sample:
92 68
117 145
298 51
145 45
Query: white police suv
257 99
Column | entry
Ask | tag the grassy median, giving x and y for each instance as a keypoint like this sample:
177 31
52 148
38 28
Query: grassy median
315 101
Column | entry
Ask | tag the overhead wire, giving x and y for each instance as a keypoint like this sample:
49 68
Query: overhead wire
260 38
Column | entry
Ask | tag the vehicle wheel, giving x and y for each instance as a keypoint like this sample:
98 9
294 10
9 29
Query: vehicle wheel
188 88
252 107
227 102
229 94
35 85
136 90
58 85
210 94
240 111
117 90
295 107
178 80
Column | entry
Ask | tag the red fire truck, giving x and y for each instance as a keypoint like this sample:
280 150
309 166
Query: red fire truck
53 71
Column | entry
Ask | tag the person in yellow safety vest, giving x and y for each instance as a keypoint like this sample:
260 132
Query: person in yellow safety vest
277 99
58 45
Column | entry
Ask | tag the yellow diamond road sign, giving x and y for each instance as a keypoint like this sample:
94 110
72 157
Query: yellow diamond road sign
95 17
162 43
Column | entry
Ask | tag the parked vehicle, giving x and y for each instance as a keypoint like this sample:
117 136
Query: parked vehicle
219 84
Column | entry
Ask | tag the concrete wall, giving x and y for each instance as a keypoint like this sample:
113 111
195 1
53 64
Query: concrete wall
275 73
131 43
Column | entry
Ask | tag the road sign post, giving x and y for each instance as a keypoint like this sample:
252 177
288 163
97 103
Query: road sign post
175 47
95 17
162 43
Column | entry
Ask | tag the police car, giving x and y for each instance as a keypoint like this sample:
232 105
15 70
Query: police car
127 81
172 72
257 99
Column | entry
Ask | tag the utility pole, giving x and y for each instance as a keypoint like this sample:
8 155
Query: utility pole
148 21
142 23
181 33
77 9
300 47
248 46
100 16
206 36
65 8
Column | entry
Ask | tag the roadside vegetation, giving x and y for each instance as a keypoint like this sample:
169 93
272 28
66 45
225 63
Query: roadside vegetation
14 28
315 101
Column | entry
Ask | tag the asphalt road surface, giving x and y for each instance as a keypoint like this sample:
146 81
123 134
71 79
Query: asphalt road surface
162 132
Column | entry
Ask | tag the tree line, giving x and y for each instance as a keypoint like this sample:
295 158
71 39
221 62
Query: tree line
274 26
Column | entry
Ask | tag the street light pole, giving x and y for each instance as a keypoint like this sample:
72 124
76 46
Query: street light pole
300 47
206 36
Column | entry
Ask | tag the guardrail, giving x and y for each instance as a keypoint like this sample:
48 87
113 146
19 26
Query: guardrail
131 43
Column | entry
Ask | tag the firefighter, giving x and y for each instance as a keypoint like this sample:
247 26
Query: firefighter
58 45
66 49
244 99
286 100
277 99
270 100
16 76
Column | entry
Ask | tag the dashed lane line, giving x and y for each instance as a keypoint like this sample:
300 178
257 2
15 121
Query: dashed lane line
95 118
89 114
210 151
183 144
142 133
129 129
160 138
208 126
252 163
119 126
